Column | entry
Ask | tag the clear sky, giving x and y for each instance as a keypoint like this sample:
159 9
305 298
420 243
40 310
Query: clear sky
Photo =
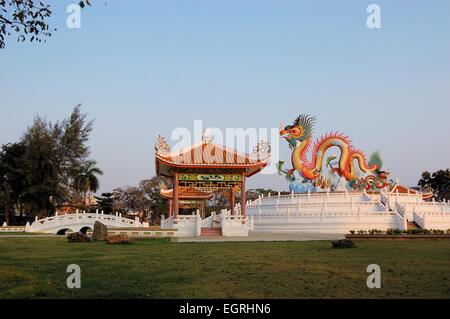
143 68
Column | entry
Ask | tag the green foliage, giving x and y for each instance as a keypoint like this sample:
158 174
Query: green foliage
28 19
105 202
375 232
86 179
38 172
397 232
144 199
12 177
41 165
253 194
394 231
438 182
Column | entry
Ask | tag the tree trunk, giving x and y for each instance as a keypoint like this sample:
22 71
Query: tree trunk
6 212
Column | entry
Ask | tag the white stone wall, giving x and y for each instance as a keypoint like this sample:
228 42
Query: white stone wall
323 213
234 226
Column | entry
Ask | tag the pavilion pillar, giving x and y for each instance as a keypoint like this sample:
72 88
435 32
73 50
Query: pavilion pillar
175 205
243 200
202 209
170 208
232 201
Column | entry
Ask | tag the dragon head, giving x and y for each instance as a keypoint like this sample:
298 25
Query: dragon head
299 131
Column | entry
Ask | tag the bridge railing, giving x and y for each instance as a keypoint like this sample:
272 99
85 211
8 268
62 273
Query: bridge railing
77 218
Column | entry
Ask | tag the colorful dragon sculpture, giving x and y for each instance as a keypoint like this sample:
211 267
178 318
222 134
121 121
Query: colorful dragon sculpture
367 175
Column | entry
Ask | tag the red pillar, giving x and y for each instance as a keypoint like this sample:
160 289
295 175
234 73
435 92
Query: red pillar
175 197
202 209
170 208
232 201
243 200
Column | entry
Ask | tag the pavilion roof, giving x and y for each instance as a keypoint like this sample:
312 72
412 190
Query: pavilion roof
207 154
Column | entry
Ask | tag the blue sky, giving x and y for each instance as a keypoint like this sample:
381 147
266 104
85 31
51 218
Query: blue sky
143 68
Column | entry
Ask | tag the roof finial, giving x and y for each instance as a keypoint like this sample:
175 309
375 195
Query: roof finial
207 137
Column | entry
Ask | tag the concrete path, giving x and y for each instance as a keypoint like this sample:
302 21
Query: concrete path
28 236
261 237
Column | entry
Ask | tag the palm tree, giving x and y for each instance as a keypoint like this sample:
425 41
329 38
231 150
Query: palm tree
86 180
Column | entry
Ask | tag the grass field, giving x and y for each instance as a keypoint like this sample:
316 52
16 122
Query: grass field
36 268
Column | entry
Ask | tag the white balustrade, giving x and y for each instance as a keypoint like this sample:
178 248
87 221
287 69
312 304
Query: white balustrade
74 221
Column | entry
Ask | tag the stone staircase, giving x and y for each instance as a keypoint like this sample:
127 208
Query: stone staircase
211 232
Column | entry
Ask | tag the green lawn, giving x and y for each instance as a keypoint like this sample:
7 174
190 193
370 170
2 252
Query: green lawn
36 268
15 233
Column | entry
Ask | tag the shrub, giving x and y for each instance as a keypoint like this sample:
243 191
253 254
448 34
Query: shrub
119 240
362 232
375 232
343 244
448 231
78 238
394 231
352 232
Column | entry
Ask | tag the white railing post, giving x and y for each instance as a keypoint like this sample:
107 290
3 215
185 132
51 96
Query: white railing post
222 223
198 225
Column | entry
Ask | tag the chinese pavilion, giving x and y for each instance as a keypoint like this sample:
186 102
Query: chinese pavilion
203 169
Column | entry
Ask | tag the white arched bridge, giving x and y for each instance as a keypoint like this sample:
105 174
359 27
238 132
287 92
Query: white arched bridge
78 222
